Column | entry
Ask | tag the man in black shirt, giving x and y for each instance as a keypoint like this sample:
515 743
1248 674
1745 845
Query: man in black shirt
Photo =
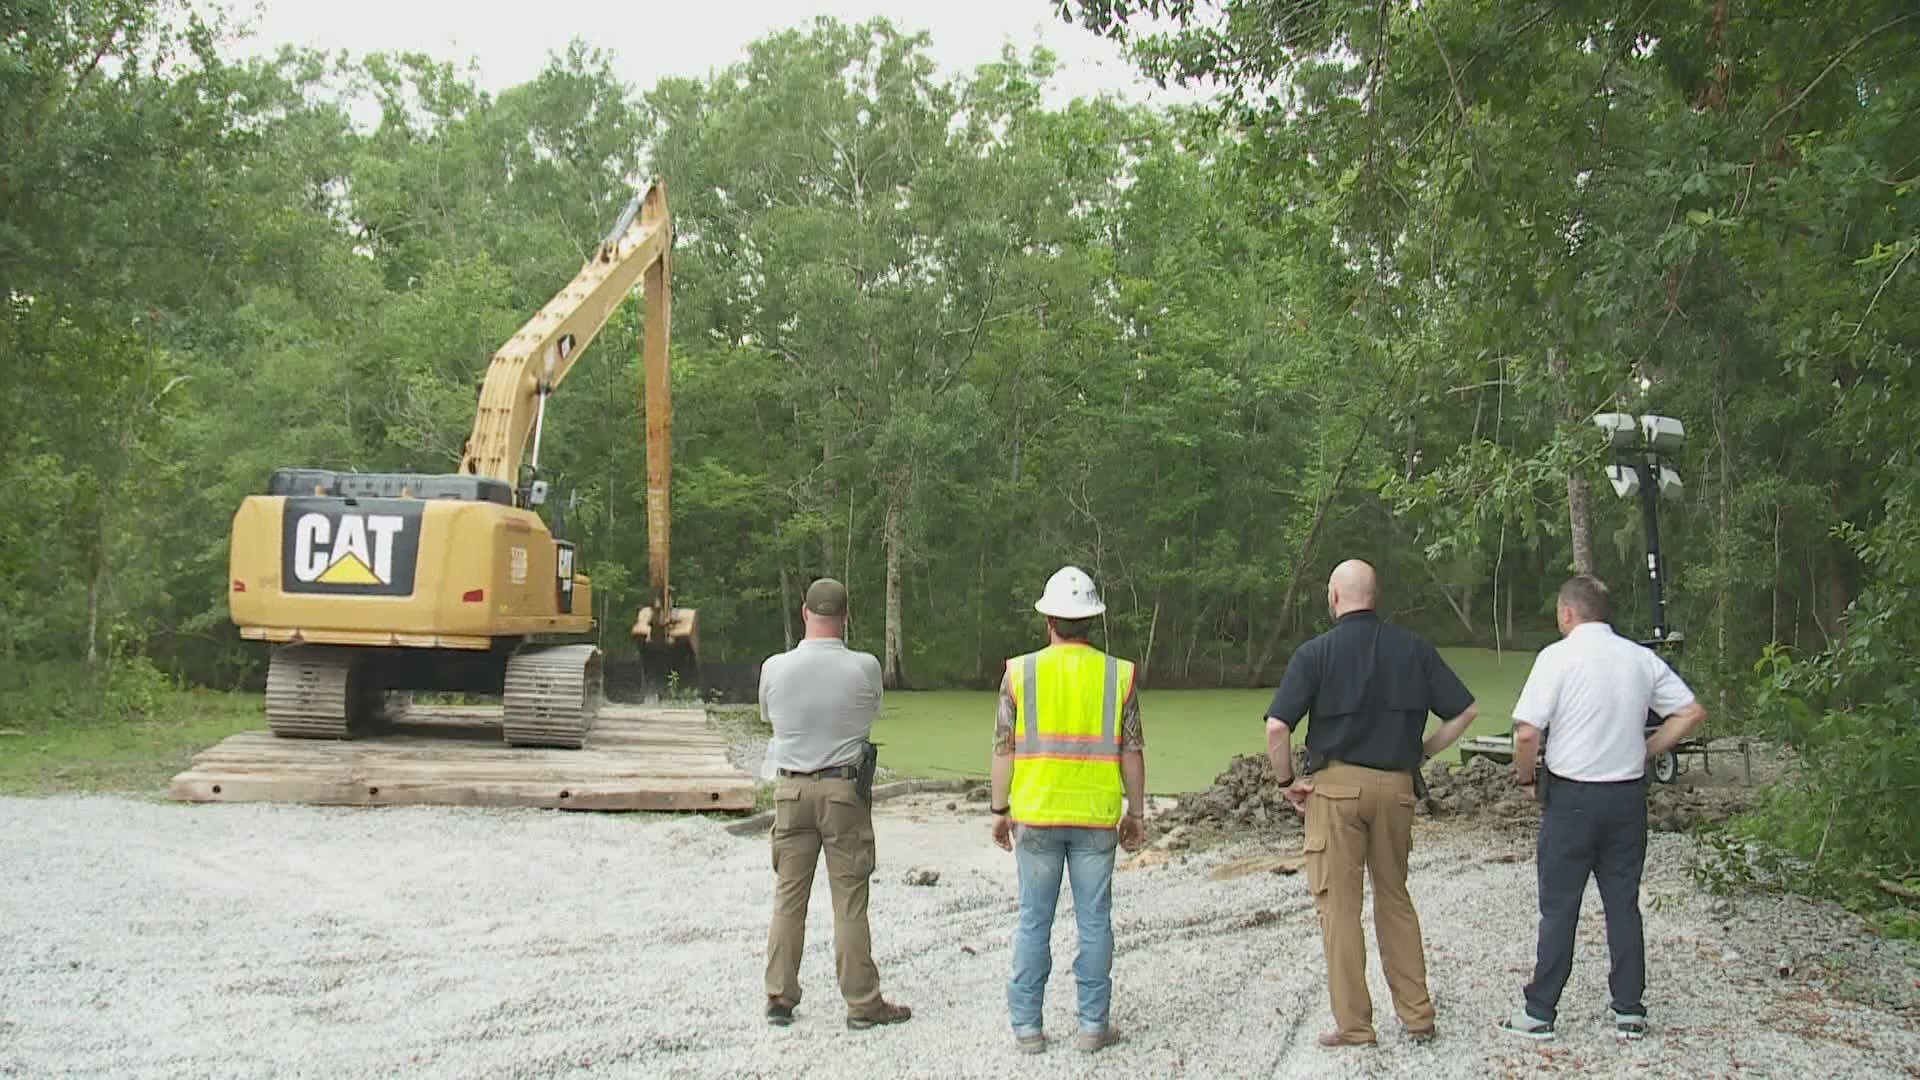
1368 687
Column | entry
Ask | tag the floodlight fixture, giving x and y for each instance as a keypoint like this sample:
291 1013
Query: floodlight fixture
1663 434
1625 480
1621 430
1669 483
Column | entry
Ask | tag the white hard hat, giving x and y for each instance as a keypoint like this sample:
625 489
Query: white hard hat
1070 595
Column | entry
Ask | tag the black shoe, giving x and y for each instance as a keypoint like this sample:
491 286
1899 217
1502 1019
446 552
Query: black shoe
779 1013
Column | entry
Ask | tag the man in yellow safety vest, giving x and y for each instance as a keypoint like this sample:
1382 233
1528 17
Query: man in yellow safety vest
1067 747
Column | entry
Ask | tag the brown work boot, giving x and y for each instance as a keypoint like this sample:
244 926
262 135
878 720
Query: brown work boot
887 1013
1424 1035
1088 1042
779 1011
1334 1038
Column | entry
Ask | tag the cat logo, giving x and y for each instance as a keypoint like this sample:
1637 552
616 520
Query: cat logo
348 561
369 549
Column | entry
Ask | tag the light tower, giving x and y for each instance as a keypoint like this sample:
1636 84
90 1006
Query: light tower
1643 446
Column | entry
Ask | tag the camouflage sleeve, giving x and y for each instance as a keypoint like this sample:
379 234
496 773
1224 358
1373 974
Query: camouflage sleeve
1003 719
1132 737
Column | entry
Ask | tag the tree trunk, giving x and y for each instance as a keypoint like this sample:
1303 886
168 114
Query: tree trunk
1724 545
787 606
1839 592
1146 661
1579 491
826 519
1285 610
893 669
1773 622
95 581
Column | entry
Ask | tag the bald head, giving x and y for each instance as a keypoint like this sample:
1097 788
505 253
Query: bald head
1352 587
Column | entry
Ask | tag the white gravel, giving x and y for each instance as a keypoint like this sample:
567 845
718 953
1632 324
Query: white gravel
147 939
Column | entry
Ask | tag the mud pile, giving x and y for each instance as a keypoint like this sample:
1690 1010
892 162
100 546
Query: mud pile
1245 796
1480 788
1485 788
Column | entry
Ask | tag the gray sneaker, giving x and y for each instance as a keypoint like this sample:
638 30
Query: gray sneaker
1089 1041
1629 1026
1524 1025
1030 1044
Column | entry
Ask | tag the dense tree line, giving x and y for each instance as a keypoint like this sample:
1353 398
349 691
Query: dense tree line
1703 209
937 338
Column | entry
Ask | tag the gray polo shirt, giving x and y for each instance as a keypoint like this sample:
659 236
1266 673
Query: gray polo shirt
821 698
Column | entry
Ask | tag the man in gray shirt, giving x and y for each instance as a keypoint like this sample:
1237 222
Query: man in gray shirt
821 699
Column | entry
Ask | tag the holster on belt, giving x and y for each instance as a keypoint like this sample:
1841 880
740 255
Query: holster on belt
1542 779
869 762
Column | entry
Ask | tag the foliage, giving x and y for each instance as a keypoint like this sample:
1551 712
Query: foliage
937 337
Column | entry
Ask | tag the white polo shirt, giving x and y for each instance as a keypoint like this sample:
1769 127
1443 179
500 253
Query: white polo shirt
1590 691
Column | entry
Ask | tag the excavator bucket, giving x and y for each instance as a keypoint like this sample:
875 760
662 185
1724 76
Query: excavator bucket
669 648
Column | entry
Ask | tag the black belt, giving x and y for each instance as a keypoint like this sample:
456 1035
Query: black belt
832 772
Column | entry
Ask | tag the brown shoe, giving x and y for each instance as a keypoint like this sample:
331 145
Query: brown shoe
779 1011
1088 1042
1424 1035
1334 1038
887 1013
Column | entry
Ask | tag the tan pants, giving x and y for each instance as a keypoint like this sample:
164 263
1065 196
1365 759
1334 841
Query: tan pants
811 816
1361 820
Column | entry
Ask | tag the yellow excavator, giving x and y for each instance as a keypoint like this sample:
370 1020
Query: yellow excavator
372 585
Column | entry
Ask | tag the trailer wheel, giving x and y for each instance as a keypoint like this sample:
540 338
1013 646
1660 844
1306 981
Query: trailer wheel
1666 767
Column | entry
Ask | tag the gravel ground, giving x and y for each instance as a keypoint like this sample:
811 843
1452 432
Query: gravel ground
146 939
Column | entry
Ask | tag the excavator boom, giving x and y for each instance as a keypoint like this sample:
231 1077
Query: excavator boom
534 361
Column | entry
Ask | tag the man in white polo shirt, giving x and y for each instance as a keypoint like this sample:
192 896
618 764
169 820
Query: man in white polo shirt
1589 695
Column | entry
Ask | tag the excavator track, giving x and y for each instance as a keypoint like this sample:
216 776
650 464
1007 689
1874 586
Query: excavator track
317 692
308 691
553 693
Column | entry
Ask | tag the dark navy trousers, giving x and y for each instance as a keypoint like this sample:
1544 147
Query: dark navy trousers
1598 830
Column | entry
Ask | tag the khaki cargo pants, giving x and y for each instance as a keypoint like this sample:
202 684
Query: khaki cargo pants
1360 821
811 816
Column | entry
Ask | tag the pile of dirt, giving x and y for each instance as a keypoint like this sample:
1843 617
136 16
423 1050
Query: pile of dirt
1480 788
1483 788
1682 806
1245 796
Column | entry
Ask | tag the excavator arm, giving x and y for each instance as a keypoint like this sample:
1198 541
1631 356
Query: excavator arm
534 361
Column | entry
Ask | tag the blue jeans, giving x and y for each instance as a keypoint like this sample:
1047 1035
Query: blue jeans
1086 855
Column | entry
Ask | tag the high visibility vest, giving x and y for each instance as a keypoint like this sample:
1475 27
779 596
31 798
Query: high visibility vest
1066 739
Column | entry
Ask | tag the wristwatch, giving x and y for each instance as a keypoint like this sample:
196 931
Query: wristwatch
1002 811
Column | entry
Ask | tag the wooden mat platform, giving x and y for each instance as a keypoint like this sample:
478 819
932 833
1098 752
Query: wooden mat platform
636 758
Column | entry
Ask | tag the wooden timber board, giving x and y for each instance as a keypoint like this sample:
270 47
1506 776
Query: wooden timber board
636 758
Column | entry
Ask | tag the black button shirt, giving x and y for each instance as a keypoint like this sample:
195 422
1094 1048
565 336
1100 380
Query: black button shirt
1368 686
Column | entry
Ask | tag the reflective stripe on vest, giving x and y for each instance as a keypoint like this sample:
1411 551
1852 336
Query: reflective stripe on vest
1102 747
